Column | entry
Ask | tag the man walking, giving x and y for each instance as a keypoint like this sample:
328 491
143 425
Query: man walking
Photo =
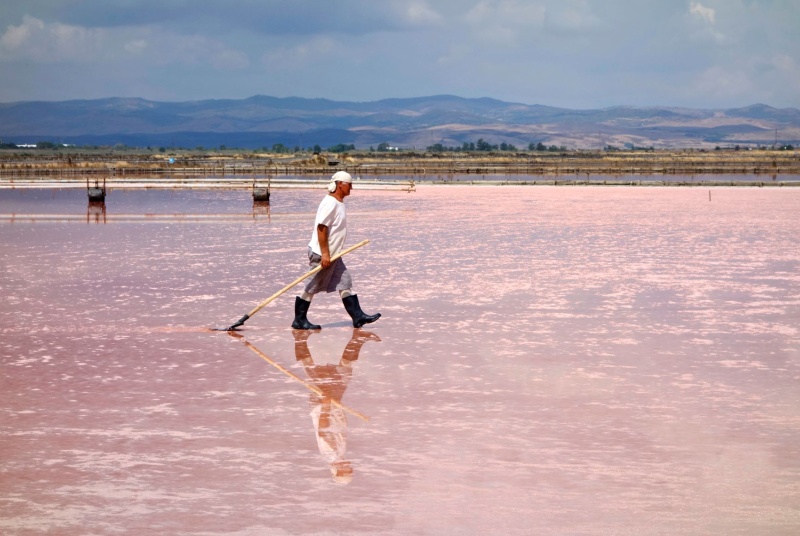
327 240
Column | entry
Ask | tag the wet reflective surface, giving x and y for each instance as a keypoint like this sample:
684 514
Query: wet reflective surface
550 360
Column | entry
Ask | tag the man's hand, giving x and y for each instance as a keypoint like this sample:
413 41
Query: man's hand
322 234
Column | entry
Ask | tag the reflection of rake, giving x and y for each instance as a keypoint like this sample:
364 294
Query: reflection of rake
289 373
258 307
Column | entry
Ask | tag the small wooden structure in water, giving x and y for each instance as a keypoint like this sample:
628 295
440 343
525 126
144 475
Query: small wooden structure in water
96 193
261 193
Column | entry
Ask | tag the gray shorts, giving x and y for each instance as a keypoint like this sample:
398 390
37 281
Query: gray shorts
334 277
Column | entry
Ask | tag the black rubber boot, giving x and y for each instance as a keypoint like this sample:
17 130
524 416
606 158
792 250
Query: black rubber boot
354 310
300 310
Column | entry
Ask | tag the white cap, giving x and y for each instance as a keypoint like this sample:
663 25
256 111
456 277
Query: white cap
342 176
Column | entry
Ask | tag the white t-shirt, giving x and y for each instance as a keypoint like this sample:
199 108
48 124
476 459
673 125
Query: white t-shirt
332 214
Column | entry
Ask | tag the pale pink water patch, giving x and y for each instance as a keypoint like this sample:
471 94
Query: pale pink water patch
552 360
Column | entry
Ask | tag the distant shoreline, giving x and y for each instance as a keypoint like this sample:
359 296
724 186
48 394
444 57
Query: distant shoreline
573 167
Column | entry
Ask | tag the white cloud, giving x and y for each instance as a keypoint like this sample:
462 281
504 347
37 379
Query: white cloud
136 47
514 22
509 13
454 54
229 59
301 55
705 13
572 16
787 65
708 18
581 53
421 13
41 42
782 77
504 22
17 36
723 84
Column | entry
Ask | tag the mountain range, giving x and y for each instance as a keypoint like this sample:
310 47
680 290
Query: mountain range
263 121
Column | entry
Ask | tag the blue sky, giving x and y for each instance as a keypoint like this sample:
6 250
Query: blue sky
569 53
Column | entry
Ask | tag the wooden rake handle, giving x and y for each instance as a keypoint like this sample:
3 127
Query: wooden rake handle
304 276
258 307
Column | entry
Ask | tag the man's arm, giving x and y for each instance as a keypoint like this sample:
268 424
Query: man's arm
322 234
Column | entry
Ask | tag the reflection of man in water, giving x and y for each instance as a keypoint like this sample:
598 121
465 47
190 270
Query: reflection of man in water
330 422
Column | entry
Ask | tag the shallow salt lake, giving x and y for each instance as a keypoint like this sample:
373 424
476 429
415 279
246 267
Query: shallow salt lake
550 360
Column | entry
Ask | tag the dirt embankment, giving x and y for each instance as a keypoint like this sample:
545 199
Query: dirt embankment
415 163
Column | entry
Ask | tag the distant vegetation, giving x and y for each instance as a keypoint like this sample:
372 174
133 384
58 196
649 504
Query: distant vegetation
478 147
470 147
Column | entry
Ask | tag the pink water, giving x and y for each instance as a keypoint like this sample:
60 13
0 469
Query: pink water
551 360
